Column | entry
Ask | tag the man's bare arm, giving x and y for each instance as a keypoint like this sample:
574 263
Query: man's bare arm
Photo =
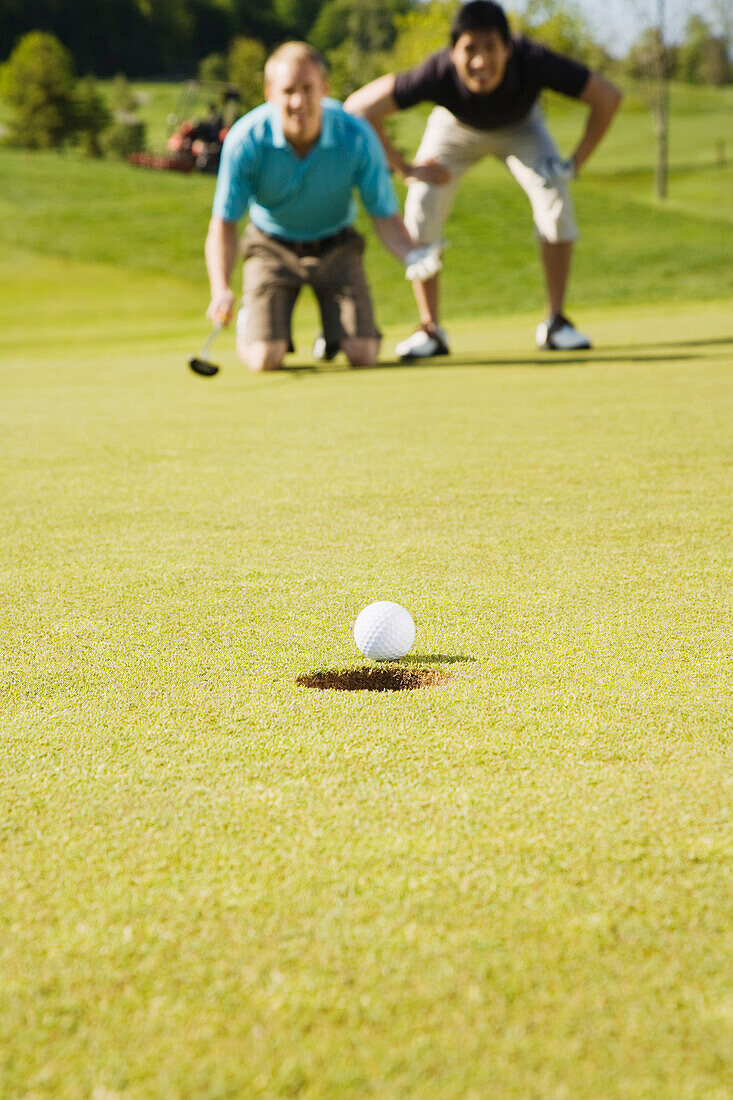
374 102
221 255
421 262
604 98
394 236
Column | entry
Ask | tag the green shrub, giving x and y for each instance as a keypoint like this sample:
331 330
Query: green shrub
38 81
123 97
214 68
246 64
125 136
93 116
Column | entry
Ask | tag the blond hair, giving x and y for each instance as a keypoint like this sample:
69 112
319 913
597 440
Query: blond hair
294 51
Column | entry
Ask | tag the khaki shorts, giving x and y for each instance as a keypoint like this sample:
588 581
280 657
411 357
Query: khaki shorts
274 273
459 147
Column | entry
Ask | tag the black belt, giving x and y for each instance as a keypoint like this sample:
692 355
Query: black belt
313 248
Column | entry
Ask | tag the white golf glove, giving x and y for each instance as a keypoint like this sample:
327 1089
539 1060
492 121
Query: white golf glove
556 169
423 263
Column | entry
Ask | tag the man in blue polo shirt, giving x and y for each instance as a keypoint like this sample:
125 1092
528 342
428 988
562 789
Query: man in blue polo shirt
292 165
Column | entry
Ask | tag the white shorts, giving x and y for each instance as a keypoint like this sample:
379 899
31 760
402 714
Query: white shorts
458 147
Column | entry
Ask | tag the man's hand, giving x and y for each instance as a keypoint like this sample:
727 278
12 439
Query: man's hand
423 263
221 307
556 169
429 171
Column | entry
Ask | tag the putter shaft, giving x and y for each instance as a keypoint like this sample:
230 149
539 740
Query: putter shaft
204 353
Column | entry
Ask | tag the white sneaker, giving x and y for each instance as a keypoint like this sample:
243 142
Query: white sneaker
559 334
426 342
324 352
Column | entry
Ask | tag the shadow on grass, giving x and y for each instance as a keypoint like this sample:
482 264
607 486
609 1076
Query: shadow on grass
300 371
546 361
708 342
642 352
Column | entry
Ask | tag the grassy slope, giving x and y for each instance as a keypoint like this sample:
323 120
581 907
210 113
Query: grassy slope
217 883
632 248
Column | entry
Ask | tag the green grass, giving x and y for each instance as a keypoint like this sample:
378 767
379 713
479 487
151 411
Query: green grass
630 250
216 883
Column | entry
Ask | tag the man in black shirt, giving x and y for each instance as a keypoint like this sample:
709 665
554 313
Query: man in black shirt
486 88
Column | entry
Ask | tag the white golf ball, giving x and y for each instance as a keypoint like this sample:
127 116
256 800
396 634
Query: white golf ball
384 631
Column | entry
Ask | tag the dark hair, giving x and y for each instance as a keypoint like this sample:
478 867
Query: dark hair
480 15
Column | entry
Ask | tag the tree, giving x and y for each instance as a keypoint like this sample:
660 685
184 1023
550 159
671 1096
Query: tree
296 16
369 25
650 54
122 95
92 116
355 36
246 64
421 31
702 57
331 28
38 82
715 66
651 60
214 67
256 19
213 26
561 26
139 37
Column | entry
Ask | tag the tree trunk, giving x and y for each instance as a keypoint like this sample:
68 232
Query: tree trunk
662 121
662 101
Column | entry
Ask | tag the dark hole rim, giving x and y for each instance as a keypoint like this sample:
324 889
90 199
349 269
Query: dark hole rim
381 678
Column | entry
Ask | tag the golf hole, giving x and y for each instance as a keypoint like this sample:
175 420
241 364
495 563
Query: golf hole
374 679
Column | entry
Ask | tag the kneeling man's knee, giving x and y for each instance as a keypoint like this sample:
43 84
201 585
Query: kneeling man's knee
262 355
361 351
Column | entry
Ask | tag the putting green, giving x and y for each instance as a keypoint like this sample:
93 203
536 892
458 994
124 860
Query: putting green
513 881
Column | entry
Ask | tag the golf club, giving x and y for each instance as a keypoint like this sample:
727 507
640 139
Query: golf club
200 364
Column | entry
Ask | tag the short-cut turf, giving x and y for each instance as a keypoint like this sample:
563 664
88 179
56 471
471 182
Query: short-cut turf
218 882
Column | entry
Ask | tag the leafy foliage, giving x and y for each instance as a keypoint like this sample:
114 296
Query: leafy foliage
369 24
356 38
126 135
122 95
38 82
650 57
245 67
214 67
561 27
92 116
702 57
421 31
296 17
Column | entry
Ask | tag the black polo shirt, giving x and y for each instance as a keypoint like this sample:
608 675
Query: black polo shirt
530 68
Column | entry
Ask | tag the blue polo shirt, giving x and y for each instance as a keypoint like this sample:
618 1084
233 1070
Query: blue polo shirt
305 198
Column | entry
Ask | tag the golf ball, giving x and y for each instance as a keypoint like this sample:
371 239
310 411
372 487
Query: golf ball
384 631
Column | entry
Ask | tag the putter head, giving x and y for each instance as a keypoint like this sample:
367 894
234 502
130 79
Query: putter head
202 366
